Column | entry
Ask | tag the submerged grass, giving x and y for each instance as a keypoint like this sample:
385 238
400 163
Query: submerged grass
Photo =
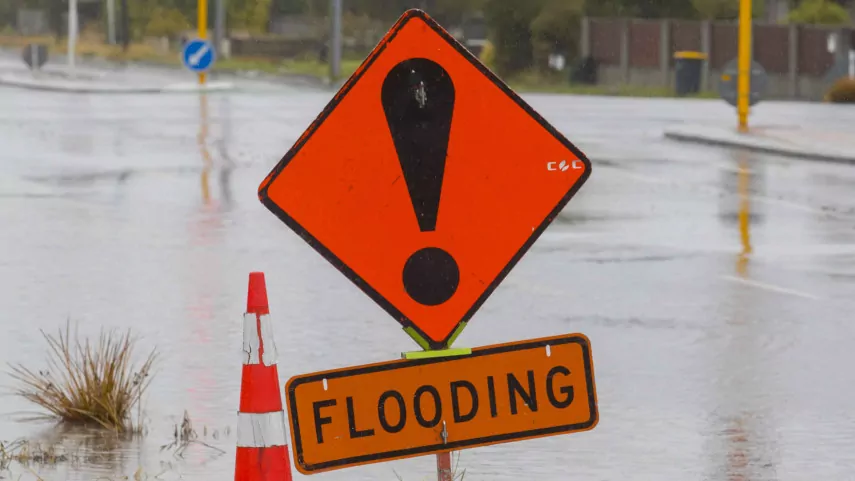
26 452
185 435
96 448
88 383
28 455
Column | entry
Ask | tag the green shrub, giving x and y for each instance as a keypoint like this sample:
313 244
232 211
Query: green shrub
488 55
822 12
843 91
166 22
509 25
250 15
726 9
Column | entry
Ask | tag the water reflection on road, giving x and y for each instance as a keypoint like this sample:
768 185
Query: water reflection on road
715 286
743 449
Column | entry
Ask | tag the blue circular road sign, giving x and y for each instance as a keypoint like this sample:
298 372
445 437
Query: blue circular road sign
198 55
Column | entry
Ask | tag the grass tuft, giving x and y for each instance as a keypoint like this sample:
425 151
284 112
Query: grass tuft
88 383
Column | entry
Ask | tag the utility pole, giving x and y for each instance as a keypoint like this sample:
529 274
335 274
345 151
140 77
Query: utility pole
111 22
219 25
72 32
126 26
335 40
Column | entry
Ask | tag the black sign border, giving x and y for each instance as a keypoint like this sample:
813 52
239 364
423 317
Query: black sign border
344 268
296 381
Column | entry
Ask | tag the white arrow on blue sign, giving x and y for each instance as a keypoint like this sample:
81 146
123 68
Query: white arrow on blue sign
198 55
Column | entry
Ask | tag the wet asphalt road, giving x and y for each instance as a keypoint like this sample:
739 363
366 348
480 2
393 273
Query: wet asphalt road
722 351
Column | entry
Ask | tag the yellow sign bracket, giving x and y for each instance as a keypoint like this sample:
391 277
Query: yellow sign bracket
424 344
457 351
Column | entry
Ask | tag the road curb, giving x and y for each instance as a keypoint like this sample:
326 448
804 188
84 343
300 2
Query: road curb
101 89
297 79
757 145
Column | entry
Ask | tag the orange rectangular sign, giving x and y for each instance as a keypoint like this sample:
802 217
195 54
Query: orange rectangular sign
399 409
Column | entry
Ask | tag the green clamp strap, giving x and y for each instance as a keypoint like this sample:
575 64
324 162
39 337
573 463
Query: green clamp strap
424 344
458 351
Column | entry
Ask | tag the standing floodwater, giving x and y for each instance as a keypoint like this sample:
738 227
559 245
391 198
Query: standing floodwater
715 287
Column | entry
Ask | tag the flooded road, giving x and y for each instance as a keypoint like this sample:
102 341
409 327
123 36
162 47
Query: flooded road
716 286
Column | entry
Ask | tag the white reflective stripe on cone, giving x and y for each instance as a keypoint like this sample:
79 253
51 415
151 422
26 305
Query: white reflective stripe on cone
250 339
251 342
261 430
270 355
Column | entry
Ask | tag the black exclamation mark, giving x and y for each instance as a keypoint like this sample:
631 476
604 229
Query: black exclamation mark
418 99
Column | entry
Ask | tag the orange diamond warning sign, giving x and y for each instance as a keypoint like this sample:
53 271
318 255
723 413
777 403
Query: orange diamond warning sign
425 179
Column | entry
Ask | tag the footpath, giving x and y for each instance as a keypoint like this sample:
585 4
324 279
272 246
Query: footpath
85 85
808 142
101 79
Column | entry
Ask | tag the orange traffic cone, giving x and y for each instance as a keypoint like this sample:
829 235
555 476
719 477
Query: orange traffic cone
262 449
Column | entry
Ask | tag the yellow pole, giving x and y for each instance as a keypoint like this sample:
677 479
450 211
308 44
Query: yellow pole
744 77
202 25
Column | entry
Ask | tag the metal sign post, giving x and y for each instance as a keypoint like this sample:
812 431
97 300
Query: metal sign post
443 467
220 26
335 41
111 22
852 64
35 56
72 32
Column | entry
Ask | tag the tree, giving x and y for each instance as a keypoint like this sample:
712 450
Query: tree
166 22
640 8
509 23
611 8
821 12
556 30
250 15
726 9
452 12
289 7
664 9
